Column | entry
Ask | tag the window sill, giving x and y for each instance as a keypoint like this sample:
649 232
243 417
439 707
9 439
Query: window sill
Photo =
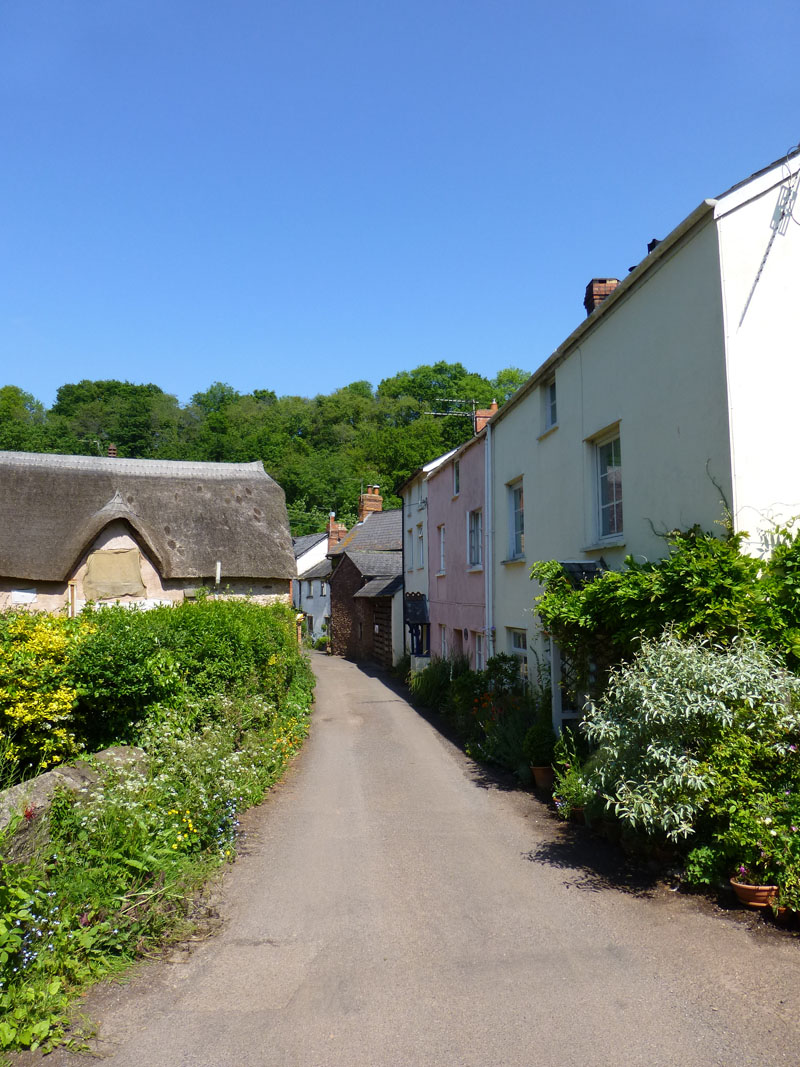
440 574
547 432
476 568
513 562
611 542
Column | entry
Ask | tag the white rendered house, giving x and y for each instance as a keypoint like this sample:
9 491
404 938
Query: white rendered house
673 402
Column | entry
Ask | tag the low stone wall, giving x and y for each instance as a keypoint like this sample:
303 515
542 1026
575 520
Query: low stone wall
31 800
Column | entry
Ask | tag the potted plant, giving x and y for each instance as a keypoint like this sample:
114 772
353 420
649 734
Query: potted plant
572 790
539 748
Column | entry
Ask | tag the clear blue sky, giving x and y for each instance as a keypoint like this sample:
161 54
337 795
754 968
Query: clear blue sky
296 194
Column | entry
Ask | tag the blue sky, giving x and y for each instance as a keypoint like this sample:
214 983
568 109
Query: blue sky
297 194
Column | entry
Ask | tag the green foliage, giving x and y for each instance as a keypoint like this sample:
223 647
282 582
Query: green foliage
123 867
37 694
669 714
490 710
705 586
321 450
127 660
572 787
539 744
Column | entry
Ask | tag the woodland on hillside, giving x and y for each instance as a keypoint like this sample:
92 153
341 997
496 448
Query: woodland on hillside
321 450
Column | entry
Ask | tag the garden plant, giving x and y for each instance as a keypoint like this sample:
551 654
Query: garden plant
217 694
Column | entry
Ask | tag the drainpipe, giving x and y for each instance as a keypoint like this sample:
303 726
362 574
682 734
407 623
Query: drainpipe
403 572
488 575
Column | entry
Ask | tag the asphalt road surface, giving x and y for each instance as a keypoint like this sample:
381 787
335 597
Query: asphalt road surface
396 906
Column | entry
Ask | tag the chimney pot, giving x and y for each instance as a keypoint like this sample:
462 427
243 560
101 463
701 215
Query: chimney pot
336 531
112 451
369 502
596 292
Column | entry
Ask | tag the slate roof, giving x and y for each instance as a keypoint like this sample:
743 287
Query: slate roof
377 564
381 587
381 531
187 515
322 570
305 542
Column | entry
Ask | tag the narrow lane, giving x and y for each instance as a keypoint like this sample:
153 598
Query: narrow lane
388 911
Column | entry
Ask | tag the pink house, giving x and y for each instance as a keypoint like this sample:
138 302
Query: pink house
457 554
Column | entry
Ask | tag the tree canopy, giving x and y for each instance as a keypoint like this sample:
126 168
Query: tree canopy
322 450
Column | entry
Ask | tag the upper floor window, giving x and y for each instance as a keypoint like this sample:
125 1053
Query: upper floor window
441 549
420 545
549 399
410 550
456 478
516 520
609 486
475 538
323 588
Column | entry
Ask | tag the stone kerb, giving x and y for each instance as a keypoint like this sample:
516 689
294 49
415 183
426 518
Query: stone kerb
32 799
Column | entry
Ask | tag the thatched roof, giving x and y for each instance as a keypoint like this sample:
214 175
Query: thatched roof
186 515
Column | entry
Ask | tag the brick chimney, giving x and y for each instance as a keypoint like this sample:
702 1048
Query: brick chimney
596 292
112 451
482 416
336 531
369 501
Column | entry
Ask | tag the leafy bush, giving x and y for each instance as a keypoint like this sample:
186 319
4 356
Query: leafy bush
130 661
539 744
122 871
666 717
37 727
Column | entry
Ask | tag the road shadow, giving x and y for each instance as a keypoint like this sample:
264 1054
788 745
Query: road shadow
484 775
595 865
591 862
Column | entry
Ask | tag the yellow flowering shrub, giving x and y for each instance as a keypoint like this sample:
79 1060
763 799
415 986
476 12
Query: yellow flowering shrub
36 699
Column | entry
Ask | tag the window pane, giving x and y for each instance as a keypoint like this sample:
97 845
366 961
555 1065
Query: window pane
610 484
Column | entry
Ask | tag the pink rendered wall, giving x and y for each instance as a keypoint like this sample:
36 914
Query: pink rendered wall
457 596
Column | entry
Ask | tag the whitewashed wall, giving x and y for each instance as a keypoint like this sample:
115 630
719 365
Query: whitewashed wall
761 277
654 364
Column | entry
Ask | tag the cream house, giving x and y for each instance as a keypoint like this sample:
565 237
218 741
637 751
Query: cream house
135 531
674 401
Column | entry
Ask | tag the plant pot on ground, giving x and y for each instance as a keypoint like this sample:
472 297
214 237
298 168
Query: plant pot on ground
538 748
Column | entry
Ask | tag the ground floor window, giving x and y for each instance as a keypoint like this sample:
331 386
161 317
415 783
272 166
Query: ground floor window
443 641
518 647
477 640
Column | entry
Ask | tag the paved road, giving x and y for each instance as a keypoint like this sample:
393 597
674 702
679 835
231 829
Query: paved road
396 908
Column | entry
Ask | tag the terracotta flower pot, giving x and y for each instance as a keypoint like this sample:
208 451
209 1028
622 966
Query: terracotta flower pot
754 896
544 777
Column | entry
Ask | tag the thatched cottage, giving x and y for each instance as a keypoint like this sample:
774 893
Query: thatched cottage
79 528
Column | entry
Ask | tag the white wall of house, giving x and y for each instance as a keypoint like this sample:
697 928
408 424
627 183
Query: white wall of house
760 259
649 369
313 556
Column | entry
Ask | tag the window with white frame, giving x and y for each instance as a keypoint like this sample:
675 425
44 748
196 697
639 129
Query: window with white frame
323 588
456 478
475 538
549 403
420 545
443 641
410 550
516 520
477 641
518 648
609 486
441 548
